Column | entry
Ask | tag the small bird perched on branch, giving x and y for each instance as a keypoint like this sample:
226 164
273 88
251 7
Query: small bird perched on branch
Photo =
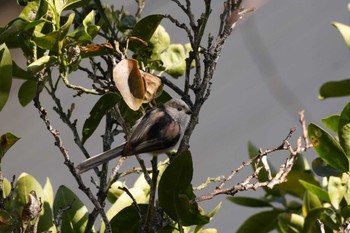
158 131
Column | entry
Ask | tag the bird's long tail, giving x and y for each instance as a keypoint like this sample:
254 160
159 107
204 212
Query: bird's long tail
100 159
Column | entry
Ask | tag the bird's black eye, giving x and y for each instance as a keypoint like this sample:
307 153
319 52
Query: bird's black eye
179 109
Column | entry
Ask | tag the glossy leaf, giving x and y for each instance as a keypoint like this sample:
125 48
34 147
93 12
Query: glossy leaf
6 74
48 190
344 130
261 222
87 31
344 31
128 219
323 169
25 184
102 106
250 202
124 201
46 41
328 148
75 218
317 190
335 89
41 63
290 222
9 34
6 142
144 29
176 194
27 92
128 79
331 122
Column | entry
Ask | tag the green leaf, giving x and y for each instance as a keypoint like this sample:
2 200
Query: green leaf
310 202
262 222
317 190
7 223
6 74
25 184
87 31
335 89
336 191
328 148
6 142
27 92
46 41
176 194
174 60
128 219
75 218
289 222
311 225
250 202
48 190
9 34
331 122
41 63
102 106
344 129
64 5
344 31
323 169
144 29
159 42
18 72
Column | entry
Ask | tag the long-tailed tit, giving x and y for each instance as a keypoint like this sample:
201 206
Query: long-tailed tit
158 131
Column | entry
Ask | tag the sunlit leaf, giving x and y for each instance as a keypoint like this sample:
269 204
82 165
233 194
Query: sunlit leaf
6 142
336 191
6 74
75 218
41 63
159 42
344 129
331 122
48 190
25 184
310 202
128 79
344 31
174 60
328 148
290 222
321 193
102 106
335 89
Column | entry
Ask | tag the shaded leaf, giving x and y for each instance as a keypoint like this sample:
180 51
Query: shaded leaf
335 89
27 92
250 202
262 222
310 202
152 83
144 29
323 169
344 31
102 106
46 41
75 218
176 194
7 140
128 79
344 130
328 148
7 223
311 224
18 72
128 219
9 34
6 74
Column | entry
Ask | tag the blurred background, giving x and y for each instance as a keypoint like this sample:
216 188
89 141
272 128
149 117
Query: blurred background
271 67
